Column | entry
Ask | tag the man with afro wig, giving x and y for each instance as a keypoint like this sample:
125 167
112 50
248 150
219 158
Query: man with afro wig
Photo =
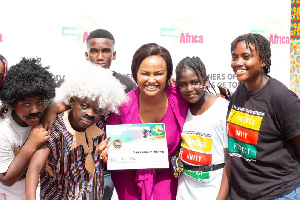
26 90
77 144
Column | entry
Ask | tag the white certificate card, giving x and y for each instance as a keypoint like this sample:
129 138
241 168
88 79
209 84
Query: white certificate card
137 146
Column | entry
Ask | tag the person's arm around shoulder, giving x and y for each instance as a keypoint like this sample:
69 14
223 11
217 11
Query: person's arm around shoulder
37 136
51 112
37 163
225 183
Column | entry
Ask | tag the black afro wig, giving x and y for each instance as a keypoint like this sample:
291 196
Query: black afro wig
27 79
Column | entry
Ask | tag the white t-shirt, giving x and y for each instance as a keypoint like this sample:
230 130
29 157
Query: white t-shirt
204 138
12 138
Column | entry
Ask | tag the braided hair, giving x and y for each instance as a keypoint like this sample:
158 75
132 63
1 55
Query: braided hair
261 44
195 64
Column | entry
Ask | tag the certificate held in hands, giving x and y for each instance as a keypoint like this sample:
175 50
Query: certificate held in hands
137 146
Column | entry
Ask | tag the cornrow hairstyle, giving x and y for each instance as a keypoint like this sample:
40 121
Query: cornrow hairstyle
27 79
195 64
5 63
147 50
100 33
96 84
261 44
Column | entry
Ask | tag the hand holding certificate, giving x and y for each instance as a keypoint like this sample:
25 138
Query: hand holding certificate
137 146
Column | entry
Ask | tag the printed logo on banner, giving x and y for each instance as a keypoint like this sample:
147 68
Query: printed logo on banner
81 28
273 31
226 80
59 79
128 75
188 38
183 32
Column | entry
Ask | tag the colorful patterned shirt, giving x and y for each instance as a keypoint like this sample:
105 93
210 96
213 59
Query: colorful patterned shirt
67 173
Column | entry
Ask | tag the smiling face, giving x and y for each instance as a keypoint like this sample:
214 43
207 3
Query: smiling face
100 51
152 76
191 88
84 114
246 64
28 112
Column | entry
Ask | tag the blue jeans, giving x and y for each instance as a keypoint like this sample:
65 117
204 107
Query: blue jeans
108 187
294 195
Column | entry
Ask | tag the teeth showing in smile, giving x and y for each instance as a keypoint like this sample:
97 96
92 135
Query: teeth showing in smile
151 87
240 71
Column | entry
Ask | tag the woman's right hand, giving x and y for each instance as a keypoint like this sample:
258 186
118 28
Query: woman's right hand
102 149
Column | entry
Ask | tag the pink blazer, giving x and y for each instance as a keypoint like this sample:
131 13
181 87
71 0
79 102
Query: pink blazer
129 114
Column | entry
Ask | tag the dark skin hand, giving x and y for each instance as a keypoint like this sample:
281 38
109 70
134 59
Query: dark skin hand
51 112
102 149
172 82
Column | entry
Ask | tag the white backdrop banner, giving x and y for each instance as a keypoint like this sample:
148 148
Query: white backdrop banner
57 31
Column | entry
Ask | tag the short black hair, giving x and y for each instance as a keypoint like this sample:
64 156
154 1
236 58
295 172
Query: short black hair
147 50
27 79
261 44
101 33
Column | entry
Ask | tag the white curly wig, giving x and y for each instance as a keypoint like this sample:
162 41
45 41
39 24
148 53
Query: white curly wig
93 82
